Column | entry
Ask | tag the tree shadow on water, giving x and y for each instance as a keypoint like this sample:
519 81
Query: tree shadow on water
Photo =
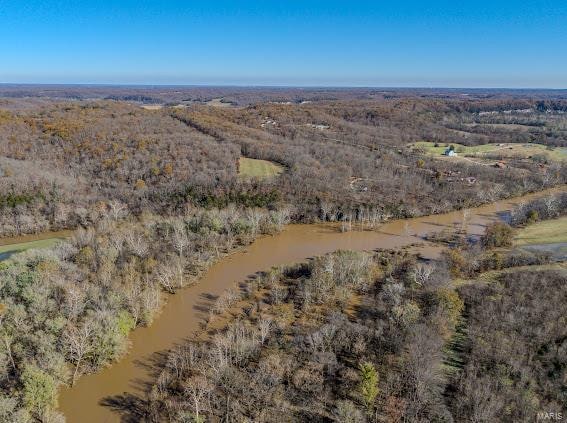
136 406
130 407
205 304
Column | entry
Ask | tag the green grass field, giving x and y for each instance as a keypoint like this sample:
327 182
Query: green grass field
506 150
546 232
7 250
262 169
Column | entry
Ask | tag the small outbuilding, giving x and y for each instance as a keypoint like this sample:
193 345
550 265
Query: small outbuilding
450 152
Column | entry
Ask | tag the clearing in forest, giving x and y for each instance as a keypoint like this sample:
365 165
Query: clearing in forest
218 102
262 169
496 151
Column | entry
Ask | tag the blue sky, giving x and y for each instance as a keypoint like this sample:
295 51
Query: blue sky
458 43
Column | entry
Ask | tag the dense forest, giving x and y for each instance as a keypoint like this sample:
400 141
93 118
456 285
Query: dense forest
63 162
156 195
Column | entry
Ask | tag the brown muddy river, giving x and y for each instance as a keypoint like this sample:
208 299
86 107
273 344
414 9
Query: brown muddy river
184 311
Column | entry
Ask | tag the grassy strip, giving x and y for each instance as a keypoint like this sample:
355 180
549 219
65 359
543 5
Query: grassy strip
545 232
253 168
7 250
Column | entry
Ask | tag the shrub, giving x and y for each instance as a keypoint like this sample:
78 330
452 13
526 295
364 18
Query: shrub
407 313
347 412
497 235
140 184
533 216
456 262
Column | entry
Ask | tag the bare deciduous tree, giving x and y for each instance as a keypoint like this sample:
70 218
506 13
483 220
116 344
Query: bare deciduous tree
78 341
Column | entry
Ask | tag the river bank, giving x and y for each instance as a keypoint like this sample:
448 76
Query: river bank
185 311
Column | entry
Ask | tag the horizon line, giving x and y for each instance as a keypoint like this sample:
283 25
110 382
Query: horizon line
273 86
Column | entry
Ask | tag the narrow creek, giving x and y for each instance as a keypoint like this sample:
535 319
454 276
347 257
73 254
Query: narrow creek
184 311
